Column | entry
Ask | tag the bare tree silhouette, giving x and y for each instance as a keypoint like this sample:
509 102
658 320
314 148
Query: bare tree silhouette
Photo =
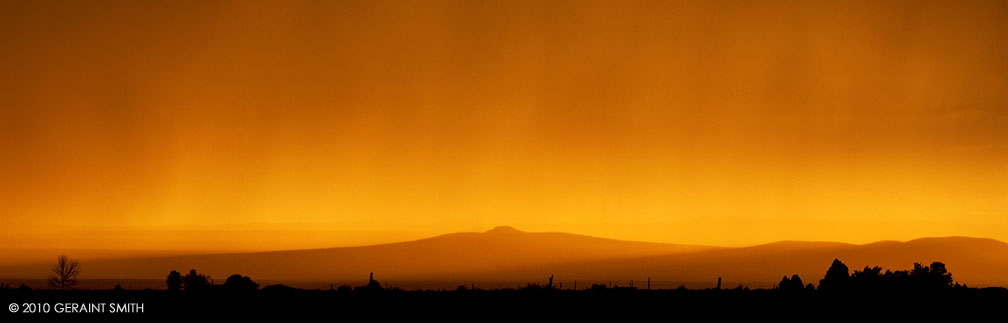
64 273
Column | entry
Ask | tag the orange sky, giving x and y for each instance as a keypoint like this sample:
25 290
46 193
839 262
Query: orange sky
249 126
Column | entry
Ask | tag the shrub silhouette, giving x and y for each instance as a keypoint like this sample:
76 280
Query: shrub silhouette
195 281
238 282
64 273
174 280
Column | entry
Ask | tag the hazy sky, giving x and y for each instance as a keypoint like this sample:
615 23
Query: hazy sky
294 124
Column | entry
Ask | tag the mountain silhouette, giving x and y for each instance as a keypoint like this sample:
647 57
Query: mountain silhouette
507 254
426 259
975 261
503 230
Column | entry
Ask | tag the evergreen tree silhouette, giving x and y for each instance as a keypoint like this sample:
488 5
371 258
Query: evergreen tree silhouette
836 279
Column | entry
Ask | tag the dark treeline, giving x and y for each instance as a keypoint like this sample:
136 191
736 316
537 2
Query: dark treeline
921 289
838 279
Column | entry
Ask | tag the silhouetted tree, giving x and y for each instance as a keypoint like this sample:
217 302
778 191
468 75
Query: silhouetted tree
174 280
64 273
940 275
793 284
896 280
238 282
868 278
784 283
195 281
797 282
930 277
836 277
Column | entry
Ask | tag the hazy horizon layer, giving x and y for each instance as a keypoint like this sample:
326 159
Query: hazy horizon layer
27 252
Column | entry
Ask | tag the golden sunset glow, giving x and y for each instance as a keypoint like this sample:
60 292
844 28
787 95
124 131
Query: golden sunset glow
277 125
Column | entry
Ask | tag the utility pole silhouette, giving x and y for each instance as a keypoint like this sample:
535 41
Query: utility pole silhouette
719 283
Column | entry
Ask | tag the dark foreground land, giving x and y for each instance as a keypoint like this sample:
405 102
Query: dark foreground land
509 303
925 292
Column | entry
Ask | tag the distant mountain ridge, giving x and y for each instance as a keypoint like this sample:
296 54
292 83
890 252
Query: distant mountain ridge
507 254
449 254
975 261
